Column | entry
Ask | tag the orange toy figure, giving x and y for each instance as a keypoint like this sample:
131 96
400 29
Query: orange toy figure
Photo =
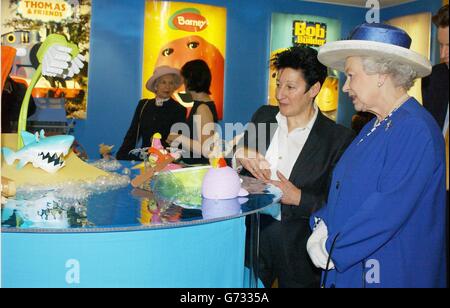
157 155
180 51
163 162
148 174
105 150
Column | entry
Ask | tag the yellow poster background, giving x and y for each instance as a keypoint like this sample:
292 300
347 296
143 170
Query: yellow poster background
418 27
165 44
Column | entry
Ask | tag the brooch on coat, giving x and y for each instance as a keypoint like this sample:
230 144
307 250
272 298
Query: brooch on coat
388 125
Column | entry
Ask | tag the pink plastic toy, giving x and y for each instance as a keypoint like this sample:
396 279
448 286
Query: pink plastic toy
222 183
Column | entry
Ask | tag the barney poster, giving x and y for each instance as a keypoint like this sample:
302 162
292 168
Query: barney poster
177 32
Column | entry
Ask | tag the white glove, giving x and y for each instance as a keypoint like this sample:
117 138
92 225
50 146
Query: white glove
58 62
74 66
316 247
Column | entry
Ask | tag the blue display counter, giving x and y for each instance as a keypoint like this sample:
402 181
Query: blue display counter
124 238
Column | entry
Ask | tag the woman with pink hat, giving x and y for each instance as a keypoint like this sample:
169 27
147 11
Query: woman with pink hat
155 115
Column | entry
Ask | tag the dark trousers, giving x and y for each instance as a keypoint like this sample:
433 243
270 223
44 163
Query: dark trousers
283 255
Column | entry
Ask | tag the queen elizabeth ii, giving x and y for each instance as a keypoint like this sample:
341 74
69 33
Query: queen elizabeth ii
384 222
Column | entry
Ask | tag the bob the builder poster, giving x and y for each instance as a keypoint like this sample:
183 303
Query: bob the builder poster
290 30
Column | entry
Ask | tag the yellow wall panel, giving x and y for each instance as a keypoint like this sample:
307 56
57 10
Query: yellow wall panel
418 27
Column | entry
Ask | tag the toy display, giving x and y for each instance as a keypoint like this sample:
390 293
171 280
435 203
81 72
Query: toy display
54 185
47 155
43 152
186 187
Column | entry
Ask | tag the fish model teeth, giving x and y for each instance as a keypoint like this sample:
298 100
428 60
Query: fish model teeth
55 159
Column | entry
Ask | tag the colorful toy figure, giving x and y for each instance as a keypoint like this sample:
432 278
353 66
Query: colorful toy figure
222 182
43 152
159 159
157 154
156 141
105 150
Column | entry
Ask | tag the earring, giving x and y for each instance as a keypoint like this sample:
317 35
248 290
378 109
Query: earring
380 84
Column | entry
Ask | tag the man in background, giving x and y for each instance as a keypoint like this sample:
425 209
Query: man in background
435 86
435 89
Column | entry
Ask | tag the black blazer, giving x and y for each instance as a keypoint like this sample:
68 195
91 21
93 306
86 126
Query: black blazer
435 93
313 169
149 119
312 174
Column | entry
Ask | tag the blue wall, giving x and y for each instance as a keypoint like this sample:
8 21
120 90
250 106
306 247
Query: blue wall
116 53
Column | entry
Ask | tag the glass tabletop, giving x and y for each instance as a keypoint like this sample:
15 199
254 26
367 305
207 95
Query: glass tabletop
128 209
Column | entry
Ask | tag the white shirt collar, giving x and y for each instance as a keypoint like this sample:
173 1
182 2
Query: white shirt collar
160 101
282 121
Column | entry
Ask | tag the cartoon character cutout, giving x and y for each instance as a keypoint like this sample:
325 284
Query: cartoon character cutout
177 52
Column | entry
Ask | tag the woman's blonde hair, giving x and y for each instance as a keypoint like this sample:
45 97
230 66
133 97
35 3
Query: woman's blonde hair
402 74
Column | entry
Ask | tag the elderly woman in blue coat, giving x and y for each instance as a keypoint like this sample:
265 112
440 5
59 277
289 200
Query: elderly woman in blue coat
384 222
